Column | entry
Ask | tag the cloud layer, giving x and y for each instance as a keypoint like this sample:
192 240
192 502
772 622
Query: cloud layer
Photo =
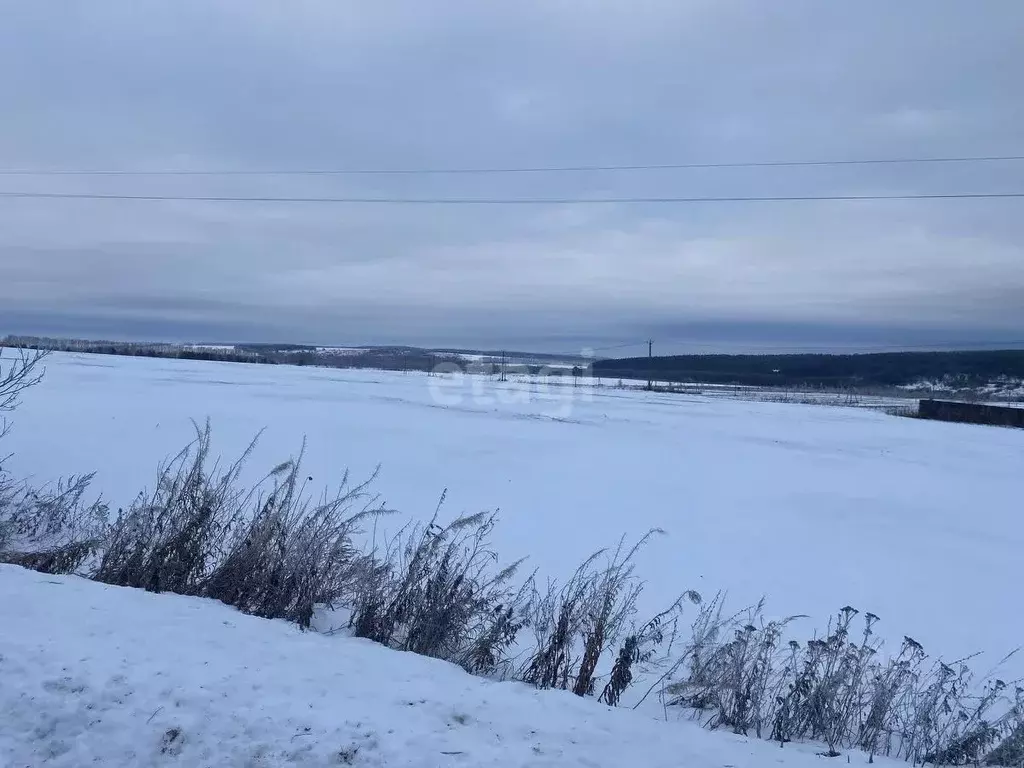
140 84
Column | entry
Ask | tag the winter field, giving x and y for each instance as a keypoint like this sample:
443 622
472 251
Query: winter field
812 507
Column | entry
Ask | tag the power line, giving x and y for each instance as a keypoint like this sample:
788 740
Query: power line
504 200
507 170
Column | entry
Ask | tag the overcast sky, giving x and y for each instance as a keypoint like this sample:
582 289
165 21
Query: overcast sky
254 84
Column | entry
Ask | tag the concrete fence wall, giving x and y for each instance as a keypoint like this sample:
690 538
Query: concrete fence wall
972 413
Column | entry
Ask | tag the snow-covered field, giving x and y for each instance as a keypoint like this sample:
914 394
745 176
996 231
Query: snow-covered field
98 675
815 507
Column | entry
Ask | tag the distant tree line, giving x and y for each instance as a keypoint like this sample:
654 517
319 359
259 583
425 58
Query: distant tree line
138 349
854 370
397 358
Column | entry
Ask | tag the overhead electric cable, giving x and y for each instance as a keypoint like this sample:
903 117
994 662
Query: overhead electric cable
503 169
504 200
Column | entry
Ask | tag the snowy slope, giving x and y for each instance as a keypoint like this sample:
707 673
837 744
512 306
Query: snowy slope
815 507
98 675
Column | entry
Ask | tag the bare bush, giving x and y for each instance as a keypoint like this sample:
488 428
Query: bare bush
50 530
18 372
640 647
271 553
732 680
835 689
170 540
1010 750
436 591
557 622
954 720
574 625
294 554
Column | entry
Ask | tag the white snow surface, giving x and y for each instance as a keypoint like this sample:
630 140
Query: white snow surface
815 507
99 675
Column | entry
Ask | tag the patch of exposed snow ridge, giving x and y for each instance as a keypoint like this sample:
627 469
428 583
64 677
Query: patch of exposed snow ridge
99 675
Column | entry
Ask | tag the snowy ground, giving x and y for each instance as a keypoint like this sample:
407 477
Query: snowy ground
814 507
98 675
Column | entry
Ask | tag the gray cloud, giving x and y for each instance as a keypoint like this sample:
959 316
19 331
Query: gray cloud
251 85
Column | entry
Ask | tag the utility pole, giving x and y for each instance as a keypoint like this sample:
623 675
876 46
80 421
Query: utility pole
650 364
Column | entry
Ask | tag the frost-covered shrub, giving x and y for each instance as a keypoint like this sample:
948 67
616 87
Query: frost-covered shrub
837 689
576 624
436 590
53 530
267 549
172 539
50 529
294 553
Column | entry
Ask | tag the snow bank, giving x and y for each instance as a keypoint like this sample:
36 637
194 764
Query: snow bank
92 674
